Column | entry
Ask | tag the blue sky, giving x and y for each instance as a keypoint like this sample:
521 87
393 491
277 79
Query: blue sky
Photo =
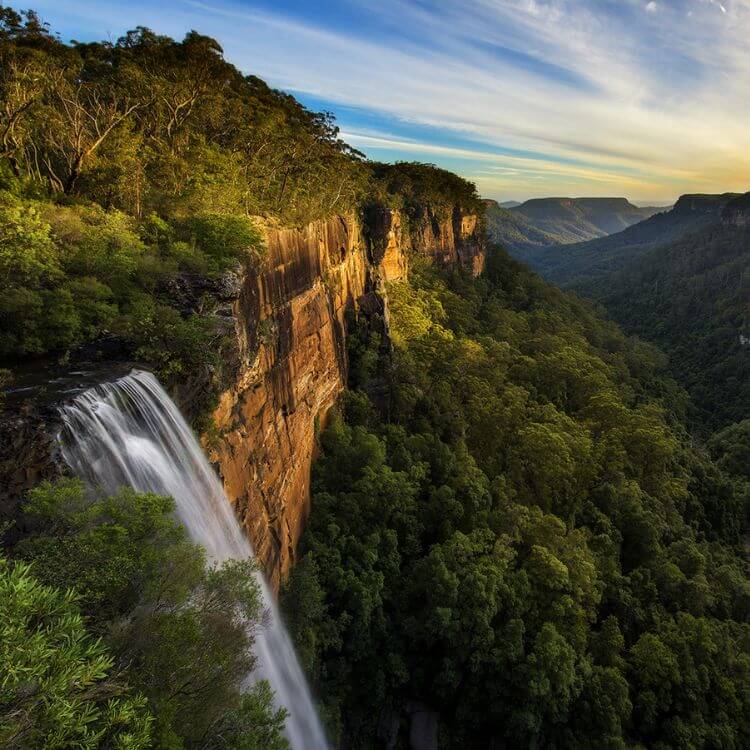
643 98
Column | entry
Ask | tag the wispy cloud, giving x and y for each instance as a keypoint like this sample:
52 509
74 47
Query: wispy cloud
632 96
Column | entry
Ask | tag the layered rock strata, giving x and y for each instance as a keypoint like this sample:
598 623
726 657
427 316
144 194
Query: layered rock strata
284 325
291 326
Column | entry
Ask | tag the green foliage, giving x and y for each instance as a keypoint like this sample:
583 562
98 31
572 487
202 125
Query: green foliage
514 231
522 537
173 344
74 273
413 186
180 632
249 726
27 253
302 600
690 298
95 242
731 449
6 378
223 239
147 124
112 549
56 684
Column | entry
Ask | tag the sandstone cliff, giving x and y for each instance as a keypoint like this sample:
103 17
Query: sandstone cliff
288 321
291 328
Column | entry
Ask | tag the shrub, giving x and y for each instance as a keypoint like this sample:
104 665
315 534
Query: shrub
28 256
223 239
95 242
174 345
181 632
56 688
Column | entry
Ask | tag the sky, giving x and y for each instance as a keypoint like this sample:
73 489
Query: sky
647 99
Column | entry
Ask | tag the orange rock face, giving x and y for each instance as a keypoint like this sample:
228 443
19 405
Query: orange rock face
291 328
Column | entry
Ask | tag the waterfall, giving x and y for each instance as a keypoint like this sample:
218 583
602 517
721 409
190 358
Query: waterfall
129 432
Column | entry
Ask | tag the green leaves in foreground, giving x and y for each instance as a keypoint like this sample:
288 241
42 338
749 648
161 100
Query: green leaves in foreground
56 683
175 630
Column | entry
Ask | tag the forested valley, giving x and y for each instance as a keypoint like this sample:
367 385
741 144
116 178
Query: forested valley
680 280
515 526
690 297
522 533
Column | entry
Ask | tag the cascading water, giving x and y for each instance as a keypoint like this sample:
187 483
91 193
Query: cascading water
129 432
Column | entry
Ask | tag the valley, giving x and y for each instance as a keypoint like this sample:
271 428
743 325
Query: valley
538 223
301 449
680 280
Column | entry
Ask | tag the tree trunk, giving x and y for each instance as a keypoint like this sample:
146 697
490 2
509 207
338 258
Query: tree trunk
75 172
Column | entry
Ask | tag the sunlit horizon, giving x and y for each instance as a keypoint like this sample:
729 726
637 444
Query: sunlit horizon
527 98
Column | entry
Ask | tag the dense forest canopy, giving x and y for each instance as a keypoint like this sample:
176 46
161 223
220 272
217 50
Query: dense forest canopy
522 538
150 124
691 297
681 280
147 124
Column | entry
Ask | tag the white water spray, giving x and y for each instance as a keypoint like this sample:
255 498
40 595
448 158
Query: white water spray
129 432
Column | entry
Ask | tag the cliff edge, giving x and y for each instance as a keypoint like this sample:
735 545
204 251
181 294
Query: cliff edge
290 321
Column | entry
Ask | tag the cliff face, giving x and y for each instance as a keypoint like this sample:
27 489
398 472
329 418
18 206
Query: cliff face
737 212
289 318
703 204
291 329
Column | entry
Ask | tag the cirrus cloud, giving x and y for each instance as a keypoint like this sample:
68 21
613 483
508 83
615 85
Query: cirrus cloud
527 97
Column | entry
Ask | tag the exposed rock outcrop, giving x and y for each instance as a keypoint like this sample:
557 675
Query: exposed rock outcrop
385 235
27 457
291 324
703 204
288 317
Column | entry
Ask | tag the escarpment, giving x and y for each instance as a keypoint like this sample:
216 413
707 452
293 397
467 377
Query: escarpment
282 332
291 327
737 212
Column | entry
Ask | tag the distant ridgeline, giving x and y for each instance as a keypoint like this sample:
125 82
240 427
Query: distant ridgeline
574 263
551 221
682 280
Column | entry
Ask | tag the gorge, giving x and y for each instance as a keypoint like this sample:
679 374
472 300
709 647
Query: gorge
291 328
294 454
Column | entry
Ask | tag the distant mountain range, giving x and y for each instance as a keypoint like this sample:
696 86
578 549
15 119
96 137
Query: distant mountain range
553 221
577 219
574 264
681 279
